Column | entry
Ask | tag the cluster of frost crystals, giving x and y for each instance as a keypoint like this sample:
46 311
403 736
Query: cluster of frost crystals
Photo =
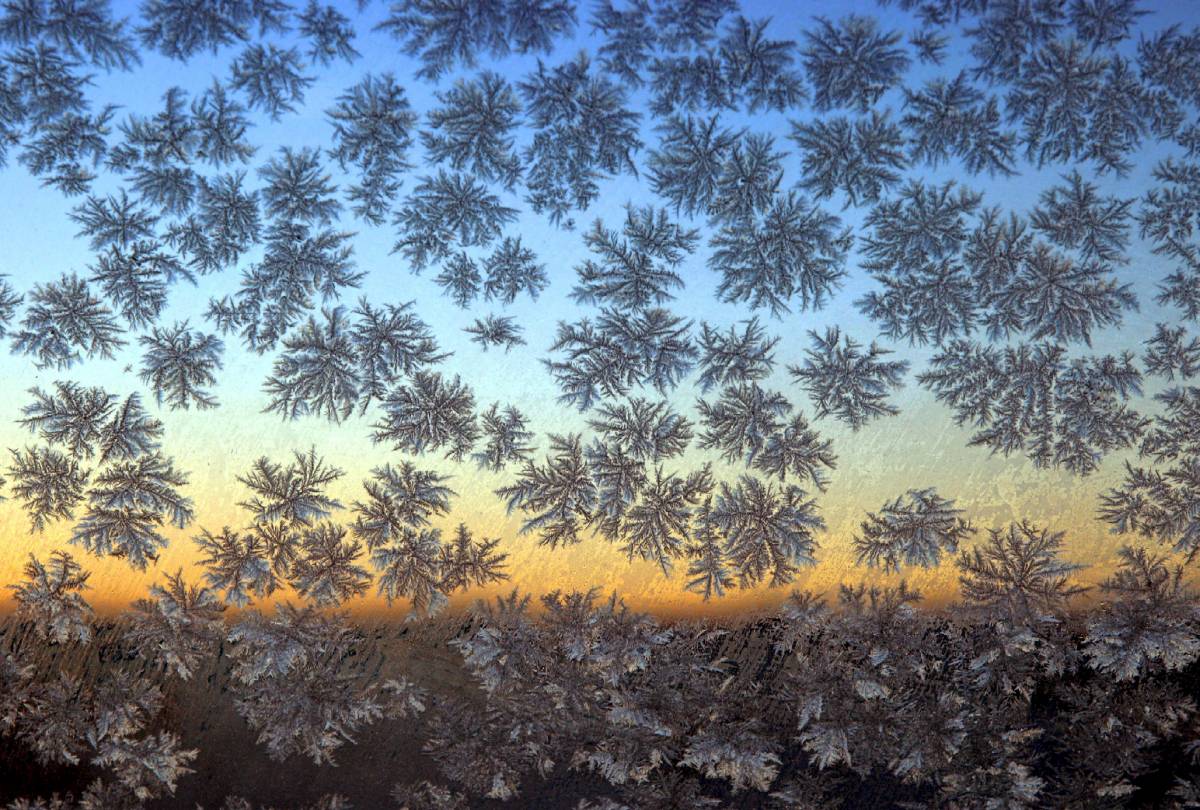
346 361
372 123
1160 500
1028 399
445 211
878 692
50 597
127 495
445 34
1018 574
295 540
609 356
178 626
1146 621
1000 306
290 686
101 723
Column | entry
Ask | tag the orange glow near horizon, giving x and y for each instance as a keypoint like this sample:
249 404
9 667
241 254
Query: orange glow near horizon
991 490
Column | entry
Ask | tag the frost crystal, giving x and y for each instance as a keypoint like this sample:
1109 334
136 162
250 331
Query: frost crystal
472 130
430 414
179 363
846 382
636 269
49 598
852 63
912 530
793 251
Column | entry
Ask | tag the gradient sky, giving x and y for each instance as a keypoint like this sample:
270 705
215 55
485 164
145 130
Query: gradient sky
919 448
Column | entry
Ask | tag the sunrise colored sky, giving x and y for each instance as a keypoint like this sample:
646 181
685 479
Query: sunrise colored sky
919 448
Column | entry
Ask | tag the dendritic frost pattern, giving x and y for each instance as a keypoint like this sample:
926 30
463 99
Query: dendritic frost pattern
759 231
